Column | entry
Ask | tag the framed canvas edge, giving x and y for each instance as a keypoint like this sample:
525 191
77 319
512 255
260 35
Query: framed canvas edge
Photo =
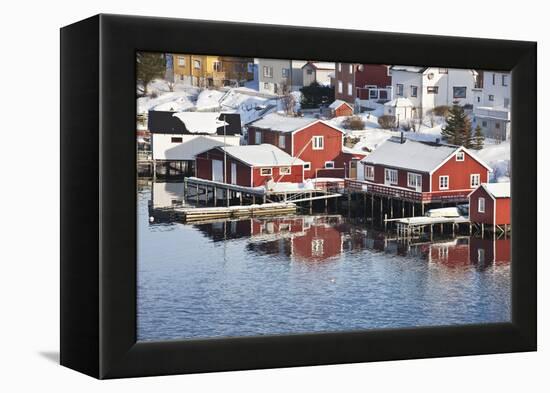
119 353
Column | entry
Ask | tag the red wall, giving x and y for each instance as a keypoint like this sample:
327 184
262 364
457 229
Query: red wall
331 151
373 74
296 175
271 137
343 110
204 167
402 177
503 211
475 216
496 250
452 255
459 173
328 236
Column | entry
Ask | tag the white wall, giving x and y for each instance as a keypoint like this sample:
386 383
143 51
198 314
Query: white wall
165 193
165 149
501 94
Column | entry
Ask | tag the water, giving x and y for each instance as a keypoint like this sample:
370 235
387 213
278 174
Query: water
304 274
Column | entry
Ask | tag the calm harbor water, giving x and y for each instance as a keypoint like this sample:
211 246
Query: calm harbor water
310 273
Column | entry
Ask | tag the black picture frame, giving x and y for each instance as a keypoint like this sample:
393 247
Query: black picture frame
98 196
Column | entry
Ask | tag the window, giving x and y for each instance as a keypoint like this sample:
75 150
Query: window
309 71
484 123
494 78
369 172
307 166
318 142
284 170
478 98
443 70
340 87
414 180
459 91
268 72
350 89
177 139
506 102
329 164
284 72
474 180
351 68
265 171
497 125
433 89
258 137
339 67
217 65
460 156
197 64
443 182
430 75
266 86
491 97
317 246
282 141
481 255
181 61
399 88
373 94
481 205
390 176
504 80
414 91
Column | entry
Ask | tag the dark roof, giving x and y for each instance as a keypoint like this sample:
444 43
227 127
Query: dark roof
164 122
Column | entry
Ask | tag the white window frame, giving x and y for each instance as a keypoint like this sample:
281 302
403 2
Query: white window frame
369 168
351 68
329 164
258 141
339 67
481 205
399 90
504 80
340 87
446 186
481 255
315 142
373 93
266 169
268 72
460 156
284 72
477 178
285 170
432 90
307 166
416 176
389 176
350 89
217 65
414 91
181 61
197 64
282 141
317 247
491 97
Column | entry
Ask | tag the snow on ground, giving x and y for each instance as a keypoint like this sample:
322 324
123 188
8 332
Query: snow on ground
209 100
161 98
497 156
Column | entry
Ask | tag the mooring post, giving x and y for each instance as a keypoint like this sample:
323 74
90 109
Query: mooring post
413 209
197 196
422 203
381 207
385 221
241 198
482 230
391 208
402 208
215 196
227 196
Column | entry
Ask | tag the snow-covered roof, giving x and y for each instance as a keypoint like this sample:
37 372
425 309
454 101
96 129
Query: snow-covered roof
400 102
320 65
282 123
498 190
338 103
201 122
261 155
418 156
408 68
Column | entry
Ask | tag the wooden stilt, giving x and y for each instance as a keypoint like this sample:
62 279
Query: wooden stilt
197 195
215 196
391 208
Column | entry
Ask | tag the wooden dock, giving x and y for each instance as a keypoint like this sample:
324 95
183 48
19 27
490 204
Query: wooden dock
411 226
200 214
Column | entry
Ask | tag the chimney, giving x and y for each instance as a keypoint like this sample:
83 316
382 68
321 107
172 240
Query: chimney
402 138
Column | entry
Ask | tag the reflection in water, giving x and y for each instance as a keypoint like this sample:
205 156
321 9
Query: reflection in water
307 274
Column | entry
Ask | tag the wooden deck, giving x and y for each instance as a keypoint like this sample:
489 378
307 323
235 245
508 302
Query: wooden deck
201 214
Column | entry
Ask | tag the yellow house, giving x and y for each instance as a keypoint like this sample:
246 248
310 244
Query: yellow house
205 71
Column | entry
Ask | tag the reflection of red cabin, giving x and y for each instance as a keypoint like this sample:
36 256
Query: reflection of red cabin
486 251
320 241
341 108
249 166
318 144
422 171
453 253
490 204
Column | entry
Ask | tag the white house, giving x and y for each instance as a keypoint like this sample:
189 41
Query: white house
177 137
430 87
400 107
492 99
316 71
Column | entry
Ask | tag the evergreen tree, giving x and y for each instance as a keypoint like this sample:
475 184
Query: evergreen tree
150 66
478 139
458 130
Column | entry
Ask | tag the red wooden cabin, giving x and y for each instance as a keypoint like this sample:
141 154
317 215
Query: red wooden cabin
490 204
249 166
341 108
318 144
422 172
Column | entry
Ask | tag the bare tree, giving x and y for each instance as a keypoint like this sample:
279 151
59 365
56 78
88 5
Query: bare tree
288 100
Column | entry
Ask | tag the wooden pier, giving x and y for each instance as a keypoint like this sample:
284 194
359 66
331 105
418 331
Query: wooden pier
411 226
216 213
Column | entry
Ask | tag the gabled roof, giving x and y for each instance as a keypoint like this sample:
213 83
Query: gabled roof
320 65
497 190
338 103
282 123
406 68
261 155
